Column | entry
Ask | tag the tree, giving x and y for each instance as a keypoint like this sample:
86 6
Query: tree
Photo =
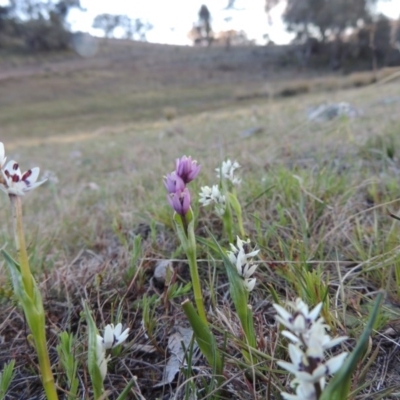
41 25
325 18
133 28
396 38
106 23
205 23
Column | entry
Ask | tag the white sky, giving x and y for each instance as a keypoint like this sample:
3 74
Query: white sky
173 19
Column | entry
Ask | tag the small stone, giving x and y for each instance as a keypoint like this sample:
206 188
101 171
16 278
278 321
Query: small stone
163 271
251 131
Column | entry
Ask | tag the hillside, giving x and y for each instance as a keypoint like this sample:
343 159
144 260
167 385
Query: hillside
314 197
128 81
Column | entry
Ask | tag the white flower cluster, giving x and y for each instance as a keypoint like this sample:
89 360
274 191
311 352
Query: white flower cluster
242 257
12 181
213 195
210 195
227 171
113 336
309 340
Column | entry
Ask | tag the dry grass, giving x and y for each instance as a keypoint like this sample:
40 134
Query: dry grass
104 135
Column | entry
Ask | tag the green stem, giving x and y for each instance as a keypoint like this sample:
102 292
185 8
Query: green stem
185 230
20 245
34 313
44 363
240 223
227 222
194 273
238 210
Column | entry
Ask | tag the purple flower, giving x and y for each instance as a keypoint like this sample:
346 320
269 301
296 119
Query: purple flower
180 201
173 183
187 169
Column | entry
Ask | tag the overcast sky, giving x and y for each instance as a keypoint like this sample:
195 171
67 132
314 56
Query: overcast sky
173 19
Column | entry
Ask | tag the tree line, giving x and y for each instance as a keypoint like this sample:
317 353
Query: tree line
42 26
337 33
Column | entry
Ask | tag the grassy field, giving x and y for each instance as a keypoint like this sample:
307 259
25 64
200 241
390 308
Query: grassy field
316 199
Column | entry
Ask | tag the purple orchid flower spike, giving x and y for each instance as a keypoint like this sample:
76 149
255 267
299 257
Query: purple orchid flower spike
173 183
187 169
180 201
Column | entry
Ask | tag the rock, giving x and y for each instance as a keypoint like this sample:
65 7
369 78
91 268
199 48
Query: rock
251 131
163 268
328 112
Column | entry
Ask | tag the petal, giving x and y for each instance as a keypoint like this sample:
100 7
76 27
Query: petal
122 337
335 342
315 312
282 312
13 168
284 322
289 367
295 354
186 201
252 253
34 185
34 175
290 336
300 306
118 330
319 372
335 363
108 336
299 324
250 270
232 257
306 377
250 283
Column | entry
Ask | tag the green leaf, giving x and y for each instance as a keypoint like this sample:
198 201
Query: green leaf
181 229
204 337
33 307
69 362
339 387
126 391
235 204
94 371
6 377
239 294
15 272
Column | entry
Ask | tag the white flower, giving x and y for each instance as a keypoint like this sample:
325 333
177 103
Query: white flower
242 246
318 340
304 391
300 366
101 358
301 320
113 336
227 171
209 195
310 341
241 257
16 183
2 155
